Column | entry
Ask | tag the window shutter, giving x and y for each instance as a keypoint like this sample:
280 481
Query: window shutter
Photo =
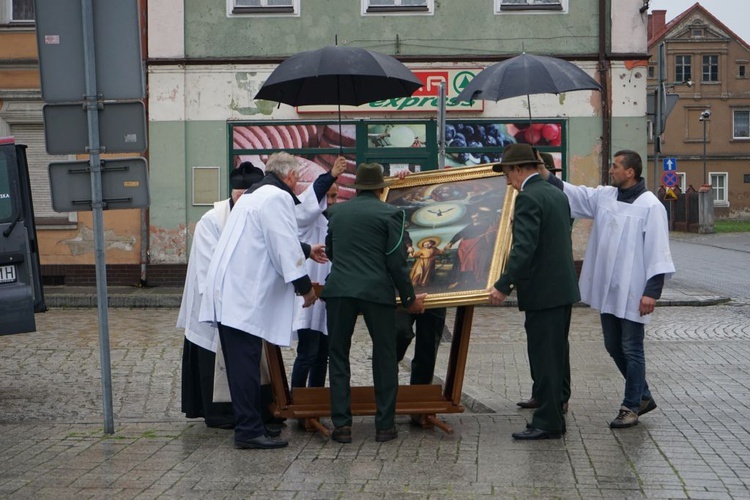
32 135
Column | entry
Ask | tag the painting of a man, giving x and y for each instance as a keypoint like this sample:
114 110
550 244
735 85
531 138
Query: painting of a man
475 245
424 261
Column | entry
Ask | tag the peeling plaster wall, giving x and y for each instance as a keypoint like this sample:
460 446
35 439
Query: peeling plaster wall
189 109
122 240
628 27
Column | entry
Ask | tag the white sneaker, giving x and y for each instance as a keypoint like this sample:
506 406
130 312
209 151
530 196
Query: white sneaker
625 418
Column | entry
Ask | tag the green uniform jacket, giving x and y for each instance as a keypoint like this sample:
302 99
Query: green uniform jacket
540 264
364 243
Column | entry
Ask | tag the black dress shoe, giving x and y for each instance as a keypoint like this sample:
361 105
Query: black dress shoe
342 434
532 433
383 435
260 442
529 426
529 403
273 432
221 425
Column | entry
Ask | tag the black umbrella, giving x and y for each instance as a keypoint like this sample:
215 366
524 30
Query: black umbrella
524 75
338 75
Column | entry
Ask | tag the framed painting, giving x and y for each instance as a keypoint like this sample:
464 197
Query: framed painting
458 231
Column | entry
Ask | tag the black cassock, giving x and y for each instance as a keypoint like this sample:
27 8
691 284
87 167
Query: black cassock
198 388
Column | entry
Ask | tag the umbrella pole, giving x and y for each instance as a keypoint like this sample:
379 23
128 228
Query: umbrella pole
341 146
528 103
338 103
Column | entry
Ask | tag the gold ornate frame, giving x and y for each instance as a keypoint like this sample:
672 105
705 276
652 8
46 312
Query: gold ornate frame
457 184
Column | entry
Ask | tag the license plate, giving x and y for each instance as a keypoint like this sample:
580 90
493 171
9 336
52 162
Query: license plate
8 274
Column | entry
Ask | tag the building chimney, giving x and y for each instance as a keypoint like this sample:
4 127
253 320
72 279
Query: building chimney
656 22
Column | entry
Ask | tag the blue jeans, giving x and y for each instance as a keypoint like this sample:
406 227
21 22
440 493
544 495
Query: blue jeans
311 364
624 342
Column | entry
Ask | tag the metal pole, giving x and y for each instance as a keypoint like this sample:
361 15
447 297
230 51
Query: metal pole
659 124
92 113
705 181
441 125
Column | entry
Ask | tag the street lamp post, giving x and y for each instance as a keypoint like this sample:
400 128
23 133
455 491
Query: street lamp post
705 117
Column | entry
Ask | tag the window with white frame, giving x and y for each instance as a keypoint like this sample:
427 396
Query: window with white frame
683 70
720 188
741 128
264 6
16 11
527 5
711 68
682 185
386 6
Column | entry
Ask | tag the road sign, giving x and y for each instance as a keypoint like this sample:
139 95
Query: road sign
670 179
670 164
670 194
122 128
124 184
119 69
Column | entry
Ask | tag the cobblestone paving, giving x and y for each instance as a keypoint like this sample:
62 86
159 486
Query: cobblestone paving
696 445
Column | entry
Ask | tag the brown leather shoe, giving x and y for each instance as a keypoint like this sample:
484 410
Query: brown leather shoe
529 403
342 434
383 435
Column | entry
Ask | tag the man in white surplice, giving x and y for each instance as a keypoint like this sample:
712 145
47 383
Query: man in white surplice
201 339
311 363
257 268
624 268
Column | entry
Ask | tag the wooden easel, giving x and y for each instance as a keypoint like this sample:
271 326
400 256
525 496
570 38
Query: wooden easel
426 401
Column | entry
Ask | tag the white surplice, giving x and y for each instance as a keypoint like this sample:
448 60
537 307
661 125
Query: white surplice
313 227
249 282
629 244
206 235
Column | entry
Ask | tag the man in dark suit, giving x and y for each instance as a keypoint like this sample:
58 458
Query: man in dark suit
365 245
540 268
533 401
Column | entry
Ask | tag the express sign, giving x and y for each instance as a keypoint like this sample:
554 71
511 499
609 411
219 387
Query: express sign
424 99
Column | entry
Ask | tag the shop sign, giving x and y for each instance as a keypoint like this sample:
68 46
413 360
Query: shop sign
425 99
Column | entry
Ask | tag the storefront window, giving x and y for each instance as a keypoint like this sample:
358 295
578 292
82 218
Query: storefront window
396 135
397 145
474 143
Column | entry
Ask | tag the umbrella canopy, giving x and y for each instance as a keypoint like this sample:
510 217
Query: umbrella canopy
338 75
527 74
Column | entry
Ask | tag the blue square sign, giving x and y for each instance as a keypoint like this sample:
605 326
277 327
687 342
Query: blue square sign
670 164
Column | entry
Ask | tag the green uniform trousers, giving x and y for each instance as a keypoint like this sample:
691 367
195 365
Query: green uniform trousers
381 323
547 332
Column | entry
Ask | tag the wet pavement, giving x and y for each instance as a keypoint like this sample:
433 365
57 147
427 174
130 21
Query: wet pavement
695 445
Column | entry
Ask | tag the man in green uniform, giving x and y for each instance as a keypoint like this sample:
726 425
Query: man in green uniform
540 268
365 245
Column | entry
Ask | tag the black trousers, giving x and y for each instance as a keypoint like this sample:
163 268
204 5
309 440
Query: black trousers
242 353
547 332
380 319
429 333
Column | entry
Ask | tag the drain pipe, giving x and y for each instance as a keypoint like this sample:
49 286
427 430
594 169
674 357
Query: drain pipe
604 81
145 213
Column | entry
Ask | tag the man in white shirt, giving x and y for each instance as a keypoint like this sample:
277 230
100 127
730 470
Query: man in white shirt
624 268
